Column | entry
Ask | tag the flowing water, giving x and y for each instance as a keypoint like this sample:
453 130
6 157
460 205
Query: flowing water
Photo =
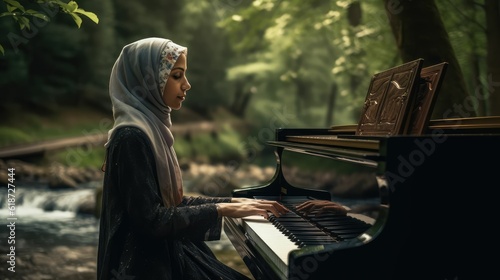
49 217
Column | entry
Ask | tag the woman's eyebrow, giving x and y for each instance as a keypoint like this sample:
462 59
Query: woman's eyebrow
175 68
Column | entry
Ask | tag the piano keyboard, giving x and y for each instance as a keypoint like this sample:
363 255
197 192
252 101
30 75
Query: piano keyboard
273 245
276 237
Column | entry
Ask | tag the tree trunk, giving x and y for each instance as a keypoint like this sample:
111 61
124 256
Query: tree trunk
420 33
331 104
300 96
492 10
101 56
238 96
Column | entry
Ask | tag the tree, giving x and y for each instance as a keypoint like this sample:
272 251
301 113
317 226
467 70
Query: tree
419 36
208 49
28 16
99 56
492 10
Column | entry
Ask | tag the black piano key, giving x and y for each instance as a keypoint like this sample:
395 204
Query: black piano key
348 231
339 222
292 222
295 228
316 228
340 227
327 218
310 233
316 242
308 239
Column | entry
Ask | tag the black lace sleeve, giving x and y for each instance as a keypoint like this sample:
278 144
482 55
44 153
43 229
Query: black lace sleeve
133 172
197 200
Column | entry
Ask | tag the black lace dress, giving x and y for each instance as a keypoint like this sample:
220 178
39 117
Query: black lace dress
141 239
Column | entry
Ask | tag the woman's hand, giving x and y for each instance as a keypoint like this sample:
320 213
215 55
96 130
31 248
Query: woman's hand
242 207
241 199
322 206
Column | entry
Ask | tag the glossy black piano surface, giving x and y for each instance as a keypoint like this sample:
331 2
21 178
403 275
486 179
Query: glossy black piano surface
422 207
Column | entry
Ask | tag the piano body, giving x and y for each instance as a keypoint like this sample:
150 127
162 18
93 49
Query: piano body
422 207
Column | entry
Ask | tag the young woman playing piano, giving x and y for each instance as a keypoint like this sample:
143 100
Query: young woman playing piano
148 228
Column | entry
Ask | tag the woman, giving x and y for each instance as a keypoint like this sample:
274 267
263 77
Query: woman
148 228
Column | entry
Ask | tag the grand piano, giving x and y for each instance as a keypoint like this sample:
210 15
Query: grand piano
421 207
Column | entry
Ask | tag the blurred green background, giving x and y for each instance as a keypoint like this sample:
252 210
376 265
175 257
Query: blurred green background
253 65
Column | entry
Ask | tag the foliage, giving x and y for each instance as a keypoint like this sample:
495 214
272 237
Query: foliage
318 47
32 127
314 47
220 146
274 63
12 136
25 16
80 157
209 56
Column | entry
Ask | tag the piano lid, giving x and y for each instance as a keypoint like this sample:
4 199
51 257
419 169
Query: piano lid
450 125
337 140
487 123
343 140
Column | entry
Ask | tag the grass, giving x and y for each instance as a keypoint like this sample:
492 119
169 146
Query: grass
91 156
220 145
29 127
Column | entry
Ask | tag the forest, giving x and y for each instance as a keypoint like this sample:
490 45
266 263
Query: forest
254 66
271 63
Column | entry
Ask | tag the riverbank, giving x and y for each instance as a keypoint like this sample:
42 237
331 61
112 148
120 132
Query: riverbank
79 262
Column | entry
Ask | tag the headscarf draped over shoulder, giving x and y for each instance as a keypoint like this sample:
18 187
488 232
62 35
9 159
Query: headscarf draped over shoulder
136 85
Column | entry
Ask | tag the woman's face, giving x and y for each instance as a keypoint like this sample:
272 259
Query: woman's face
177 84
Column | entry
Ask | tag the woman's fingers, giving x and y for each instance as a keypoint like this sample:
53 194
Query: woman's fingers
279 207
272 206
307 207
241 200
269 206
248 207
321 206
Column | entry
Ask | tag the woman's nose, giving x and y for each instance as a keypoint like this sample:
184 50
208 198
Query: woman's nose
187 85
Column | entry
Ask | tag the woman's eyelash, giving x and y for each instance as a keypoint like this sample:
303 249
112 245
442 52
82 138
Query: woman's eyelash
177 76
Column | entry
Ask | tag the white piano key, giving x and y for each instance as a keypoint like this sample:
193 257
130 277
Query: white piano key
274 244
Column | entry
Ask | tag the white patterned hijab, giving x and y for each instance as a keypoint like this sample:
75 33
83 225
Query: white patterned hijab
136 85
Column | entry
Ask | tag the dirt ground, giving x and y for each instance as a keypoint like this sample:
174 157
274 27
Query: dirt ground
77 263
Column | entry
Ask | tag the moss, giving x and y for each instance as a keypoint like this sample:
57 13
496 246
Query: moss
11 136
209 147
86 156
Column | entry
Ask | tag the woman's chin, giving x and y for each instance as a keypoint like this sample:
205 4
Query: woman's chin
175 108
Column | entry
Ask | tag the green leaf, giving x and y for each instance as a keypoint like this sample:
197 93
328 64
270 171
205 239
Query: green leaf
65 7
37 14
6 14
11 8
72 6
24 22
90 15
14 4
2 50
77 19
